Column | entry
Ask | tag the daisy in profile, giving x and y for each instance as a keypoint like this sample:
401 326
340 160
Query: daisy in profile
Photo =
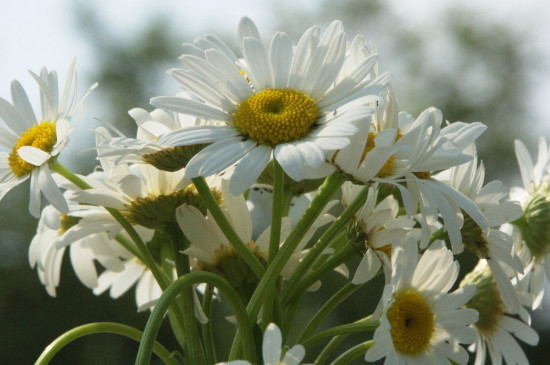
271 350
421 322
398 149
497 329
491 244
532 229
46 255
145 148
292 104
35 143
375 227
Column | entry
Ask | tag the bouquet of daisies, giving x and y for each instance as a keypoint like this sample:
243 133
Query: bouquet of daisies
271 171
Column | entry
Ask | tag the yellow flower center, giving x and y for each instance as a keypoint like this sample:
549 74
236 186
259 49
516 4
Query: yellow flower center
227 263
66 222
412 322
275 116
473 238
158 211
487 300
41 136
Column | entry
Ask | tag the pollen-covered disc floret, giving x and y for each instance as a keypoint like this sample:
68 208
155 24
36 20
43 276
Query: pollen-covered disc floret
275 116
412 322
41 136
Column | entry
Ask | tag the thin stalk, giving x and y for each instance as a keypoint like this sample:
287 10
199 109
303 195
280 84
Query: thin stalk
153 324
335 228
329 349
226 227
336 260
267 282
326 309
101 327
364 325
207 333
191 335
353 353
276 210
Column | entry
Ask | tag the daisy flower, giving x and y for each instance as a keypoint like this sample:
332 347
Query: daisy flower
271 350
532 230
397 149
145 148
496 328
291 104
422 323
34 143
491 244
211 250
374 229
47 256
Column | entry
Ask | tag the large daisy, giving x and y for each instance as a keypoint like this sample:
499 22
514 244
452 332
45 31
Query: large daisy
33 142
293 104
422 323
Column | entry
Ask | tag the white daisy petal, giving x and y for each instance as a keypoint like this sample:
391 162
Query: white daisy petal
33 155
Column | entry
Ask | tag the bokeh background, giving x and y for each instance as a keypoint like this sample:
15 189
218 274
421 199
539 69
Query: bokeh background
483 61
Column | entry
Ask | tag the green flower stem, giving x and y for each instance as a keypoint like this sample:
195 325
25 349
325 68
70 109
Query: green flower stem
145 255
153 324
101 327
225 226
267 282
207 334
277 206
364 325
191 335
276 210
323 242
336 260
326 309
353 353
329 349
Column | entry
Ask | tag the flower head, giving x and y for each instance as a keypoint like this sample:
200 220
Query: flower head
496 328
532 229
33 142
293 104
422 323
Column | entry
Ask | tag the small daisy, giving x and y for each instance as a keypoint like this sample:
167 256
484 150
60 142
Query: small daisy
422 323
491 244
271 350
293 104
374 229
496 328
532 230
34 143
46 256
